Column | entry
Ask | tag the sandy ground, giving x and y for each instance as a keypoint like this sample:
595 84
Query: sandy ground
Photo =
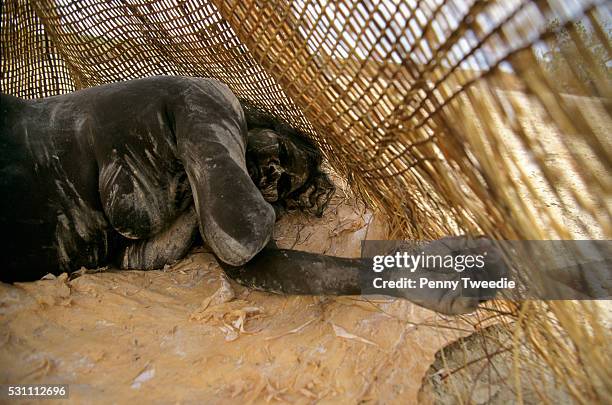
471 370
186 335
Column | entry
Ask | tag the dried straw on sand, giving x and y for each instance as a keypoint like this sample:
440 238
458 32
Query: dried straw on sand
186 333
443 116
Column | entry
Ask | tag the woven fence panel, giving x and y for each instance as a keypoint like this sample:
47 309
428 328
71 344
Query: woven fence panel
31 65
482 117
393 91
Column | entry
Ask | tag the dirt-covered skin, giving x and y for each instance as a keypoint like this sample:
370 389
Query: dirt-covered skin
126 173
87 175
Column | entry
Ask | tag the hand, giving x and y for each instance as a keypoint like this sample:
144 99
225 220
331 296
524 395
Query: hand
446 289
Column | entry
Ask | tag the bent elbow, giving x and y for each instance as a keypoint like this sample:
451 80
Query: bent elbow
238 245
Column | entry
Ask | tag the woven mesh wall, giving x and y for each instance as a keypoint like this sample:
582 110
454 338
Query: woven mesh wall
404 97
440 113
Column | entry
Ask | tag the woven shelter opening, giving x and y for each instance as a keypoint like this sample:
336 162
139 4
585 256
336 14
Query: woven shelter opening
445 117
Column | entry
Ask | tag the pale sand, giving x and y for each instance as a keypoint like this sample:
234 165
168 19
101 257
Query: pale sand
168 337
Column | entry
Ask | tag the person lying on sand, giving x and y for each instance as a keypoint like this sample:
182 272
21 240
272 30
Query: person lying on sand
129 173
